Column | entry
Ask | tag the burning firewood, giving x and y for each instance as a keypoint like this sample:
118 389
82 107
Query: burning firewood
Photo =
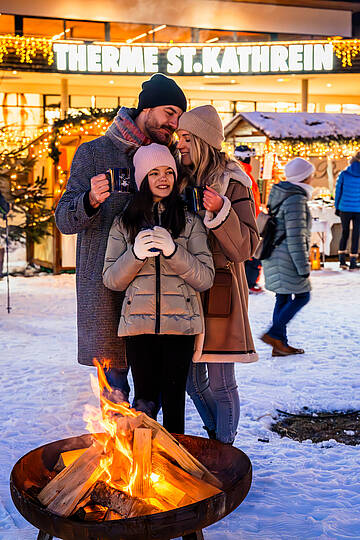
92 512
62 494
142 461
123 504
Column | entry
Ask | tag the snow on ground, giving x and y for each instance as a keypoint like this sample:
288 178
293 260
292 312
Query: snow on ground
299 490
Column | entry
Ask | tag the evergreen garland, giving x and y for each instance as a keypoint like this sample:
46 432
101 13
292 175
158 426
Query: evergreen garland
30 211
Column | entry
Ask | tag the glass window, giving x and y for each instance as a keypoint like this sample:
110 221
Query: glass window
52 100
78 102
245 106
265 106
351 108
124 32
197 103
213 36
43 27
7 24
223 106
106 102
86 30
332 108
128 101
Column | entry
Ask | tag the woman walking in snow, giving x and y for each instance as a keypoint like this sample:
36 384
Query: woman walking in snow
229 217
347 203
287 270
158 252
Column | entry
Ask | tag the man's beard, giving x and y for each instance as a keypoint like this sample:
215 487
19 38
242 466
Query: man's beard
160 137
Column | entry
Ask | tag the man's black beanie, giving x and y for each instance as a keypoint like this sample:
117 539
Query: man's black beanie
161 90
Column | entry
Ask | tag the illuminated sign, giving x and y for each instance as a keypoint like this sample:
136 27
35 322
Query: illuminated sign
192 60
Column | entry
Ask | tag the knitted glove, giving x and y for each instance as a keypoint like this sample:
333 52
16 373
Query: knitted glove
163 241
144 241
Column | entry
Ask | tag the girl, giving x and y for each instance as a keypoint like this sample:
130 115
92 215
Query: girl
158 252
230 221
287 270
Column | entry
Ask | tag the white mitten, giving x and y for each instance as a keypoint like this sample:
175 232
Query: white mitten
144 241
162 240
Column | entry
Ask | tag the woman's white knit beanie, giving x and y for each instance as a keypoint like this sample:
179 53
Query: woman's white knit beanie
205 123
150 157
298 169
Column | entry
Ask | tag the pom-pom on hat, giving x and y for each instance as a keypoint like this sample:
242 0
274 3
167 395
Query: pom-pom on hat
205 123
298 169
161 90
150 157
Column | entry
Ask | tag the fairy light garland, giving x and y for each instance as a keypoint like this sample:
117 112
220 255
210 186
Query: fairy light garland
332 149
26 48
345 49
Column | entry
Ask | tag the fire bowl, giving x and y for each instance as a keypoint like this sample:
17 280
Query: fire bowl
229 464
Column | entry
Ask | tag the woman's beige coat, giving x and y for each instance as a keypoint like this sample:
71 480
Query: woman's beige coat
190 269
233 239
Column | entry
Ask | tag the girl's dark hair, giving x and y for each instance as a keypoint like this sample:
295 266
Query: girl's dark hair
139 212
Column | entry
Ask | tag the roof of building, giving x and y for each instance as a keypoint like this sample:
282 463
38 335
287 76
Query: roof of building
299 125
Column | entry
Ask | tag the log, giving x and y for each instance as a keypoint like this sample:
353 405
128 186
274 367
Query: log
193 487
122 503
92 512
77 470
67 499
142 462
166 443
67 458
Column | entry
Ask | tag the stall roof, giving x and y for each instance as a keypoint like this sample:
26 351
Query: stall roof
298 125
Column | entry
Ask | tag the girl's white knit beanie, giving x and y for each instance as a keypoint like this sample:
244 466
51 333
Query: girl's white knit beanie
150 157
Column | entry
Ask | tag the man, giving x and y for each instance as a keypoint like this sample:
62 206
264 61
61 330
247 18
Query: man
88 209
253 266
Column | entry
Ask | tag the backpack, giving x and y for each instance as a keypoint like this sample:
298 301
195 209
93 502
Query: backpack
266 224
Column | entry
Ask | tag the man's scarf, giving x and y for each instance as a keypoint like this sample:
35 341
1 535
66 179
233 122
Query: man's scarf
123 130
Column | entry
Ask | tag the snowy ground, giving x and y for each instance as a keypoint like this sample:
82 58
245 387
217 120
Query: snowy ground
299 490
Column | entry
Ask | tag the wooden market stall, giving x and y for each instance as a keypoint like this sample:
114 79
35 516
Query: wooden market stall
327 140
54 152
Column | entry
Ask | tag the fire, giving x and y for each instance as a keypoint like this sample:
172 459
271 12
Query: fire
133 467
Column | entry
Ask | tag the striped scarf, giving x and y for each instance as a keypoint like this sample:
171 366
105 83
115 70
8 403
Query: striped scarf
123 130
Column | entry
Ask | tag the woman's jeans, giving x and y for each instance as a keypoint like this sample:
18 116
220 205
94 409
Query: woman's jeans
213 389
286 307
346 218
160 365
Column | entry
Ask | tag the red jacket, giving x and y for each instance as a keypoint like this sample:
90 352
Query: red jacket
248 168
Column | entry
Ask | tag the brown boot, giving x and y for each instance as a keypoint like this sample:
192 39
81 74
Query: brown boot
278 346
277 352
295 350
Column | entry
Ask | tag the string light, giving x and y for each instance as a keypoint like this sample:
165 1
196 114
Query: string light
26 48
345 49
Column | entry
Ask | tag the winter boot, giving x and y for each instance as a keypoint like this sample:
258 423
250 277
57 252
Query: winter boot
342 259
211 432
353 265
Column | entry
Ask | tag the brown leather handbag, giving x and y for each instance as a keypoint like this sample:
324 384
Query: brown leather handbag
217 300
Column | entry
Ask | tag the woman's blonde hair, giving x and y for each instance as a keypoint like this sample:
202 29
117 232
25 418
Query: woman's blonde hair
208 165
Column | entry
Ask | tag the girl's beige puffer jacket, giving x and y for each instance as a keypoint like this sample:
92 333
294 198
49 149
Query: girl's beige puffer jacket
160 296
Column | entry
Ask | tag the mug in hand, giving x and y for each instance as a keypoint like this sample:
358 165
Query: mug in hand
194 197
154 250
119 179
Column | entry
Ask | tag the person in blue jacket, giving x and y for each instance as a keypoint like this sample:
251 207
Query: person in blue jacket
347 204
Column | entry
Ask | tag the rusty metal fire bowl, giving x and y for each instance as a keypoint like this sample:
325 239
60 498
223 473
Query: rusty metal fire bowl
229 464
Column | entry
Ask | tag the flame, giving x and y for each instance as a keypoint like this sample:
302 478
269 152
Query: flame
110 425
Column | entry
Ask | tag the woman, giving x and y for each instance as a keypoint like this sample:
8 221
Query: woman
158 252
347 204
230 221
287 270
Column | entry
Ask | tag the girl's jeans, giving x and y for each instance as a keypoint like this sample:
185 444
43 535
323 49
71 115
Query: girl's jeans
286 307
213 389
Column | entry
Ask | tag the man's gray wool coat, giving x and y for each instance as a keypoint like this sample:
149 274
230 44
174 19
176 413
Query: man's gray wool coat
287 269
98 308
